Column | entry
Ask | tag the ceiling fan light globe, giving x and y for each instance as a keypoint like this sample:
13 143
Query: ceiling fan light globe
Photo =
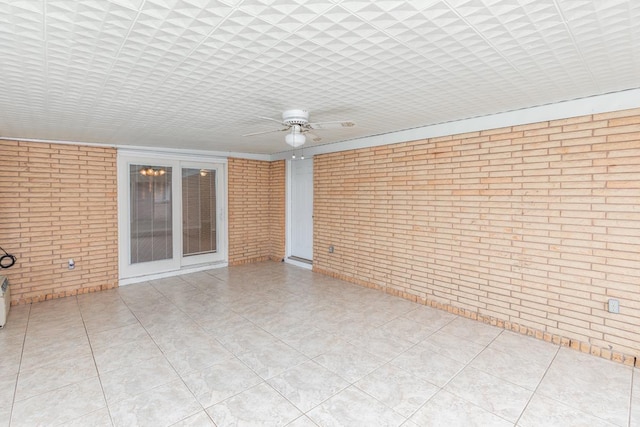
295 139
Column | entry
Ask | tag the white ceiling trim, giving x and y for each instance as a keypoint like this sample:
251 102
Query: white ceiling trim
175 153
578 107
53 141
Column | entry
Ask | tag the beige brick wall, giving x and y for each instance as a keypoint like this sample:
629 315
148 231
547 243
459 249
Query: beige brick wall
256 210
277 206
58 202
531 227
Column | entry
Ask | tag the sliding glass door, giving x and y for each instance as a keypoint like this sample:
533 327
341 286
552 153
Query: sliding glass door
172 215
199 214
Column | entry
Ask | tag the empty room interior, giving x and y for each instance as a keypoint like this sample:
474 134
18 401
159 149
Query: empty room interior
320 213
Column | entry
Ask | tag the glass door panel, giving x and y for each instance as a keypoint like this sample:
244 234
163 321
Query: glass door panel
151 219
199 212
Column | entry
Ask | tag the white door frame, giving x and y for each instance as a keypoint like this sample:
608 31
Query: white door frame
129 274
289 205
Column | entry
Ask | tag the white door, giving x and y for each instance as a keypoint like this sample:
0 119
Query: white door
301 221
172 214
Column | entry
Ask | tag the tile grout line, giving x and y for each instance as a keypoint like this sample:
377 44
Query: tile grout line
208 334
235 356
467 365
565 403
95 364
15 387
546 371
382 403
164 356
414 346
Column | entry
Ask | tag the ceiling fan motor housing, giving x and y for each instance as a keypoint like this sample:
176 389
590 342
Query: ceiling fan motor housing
295 117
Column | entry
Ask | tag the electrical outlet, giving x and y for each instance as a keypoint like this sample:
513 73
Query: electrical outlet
331 249
614 306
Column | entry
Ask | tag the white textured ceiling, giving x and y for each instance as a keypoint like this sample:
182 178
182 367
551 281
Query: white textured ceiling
194 74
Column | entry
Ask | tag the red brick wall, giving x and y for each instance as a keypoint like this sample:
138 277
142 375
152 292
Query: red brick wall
531 227
58 202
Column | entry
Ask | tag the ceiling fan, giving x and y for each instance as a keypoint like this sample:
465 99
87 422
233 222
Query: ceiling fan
297 123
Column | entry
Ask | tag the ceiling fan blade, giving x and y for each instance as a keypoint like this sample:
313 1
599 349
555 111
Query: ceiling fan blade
269 118
332 125
266 131
314 137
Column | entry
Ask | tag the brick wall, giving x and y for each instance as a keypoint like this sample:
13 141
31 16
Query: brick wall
529 227
256 210
58 202
277 206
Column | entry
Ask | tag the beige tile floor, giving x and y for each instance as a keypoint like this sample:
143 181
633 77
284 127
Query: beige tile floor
273 344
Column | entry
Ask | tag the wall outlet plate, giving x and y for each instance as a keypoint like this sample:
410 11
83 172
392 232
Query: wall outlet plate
614 306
